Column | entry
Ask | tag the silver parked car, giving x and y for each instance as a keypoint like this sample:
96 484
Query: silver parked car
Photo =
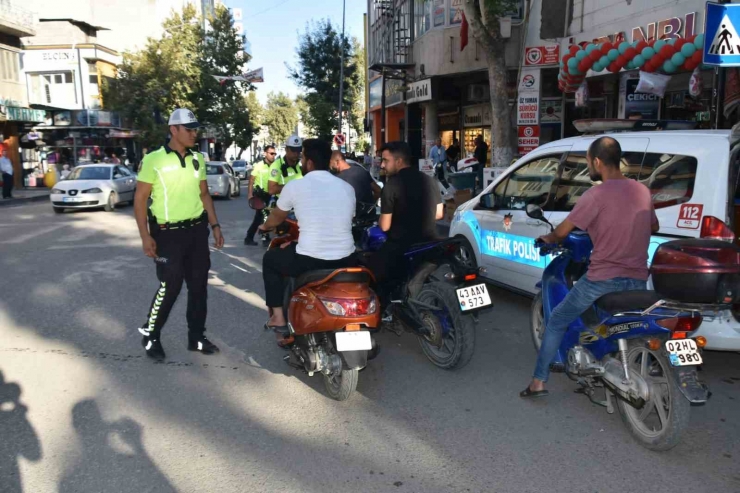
241 169
94 185
222 180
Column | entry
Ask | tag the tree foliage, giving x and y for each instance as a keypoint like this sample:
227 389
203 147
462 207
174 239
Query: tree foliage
281 117
255 109
175 71
318 74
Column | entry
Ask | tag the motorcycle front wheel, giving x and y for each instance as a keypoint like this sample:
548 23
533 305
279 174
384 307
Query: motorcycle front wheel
341 385
451 342
665 416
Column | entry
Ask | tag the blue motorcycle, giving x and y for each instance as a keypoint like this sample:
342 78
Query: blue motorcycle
436 297
634 346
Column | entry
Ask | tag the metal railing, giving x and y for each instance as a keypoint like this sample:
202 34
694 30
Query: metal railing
390 32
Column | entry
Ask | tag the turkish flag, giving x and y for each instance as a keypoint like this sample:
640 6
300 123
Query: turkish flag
463 33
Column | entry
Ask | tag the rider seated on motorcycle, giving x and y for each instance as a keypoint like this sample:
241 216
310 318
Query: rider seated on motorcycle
619 217
324 206
410 206
366 190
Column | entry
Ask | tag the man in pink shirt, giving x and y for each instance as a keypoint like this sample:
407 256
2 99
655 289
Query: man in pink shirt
619 217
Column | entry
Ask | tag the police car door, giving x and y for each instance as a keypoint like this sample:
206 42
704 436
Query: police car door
507 234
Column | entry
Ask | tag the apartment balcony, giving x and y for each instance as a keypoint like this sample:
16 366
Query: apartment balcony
15 20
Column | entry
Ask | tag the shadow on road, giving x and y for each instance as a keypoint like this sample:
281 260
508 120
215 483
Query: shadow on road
17 437
113 457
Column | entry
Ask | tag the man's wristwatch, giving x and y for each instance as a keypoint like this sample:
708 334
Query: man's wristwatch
214 226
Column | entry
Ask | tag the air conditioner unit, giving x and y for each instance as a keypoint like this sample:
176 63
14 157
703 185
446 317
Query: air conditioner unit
479 92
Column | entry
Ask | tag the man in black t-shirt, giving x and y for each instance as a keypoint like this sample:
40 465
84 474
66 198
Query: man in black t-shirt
366 190
410 206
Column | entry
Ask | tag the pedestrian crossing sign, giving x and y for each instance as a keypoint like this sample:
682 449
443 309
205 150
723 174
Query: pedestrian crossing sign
721 38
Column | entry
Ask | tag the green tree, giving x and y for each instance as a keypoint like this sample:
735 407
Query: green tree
256 111
222 105
281 117
356 116
483 17
318 74
163 76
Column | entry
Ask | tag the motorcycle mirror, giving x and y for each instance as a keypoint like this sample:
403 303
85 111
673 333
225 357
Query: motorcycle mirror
535 212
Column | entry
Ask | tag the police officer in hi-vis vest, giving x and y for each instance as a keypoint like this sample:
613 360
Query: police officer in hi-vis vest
287 168
174 232
258 194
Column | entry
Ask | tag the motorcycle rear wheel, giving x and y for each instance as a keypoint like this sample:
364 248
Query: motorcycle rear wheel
340 386
660 424
458 344
537 321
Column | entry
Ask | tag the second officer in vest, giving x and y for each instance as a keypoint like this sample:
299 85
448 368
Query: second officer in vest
174 232
258 194
287 168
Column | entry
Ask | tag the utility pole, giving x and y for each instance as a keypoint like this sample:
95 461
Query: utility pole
341 69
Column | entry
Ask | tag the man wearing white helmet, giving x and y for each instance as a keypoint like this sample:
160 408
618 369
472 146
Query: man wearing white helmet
287 168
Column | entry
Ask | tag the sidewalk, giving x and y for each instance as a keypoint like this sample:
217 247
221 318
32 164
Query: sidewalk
25 195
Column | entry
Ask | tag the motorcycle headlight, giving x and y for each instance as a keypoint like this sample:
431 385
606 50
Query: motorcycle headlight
92 190
57 191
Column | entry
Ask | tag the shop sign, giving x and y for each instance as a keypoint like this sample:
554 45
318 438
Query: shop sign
673 27
25 114
394 91
551 111
62 118
645 105
529 138
528 109
419 91
376 86
456 12
530 81
542 55
40 60
477 116
96 118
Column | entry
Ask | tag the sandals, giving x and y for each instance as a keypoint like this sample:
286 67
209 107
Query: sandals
528 393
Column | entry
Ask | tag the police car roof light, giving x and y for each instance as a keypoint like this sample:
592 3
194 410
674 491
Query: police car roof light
603 125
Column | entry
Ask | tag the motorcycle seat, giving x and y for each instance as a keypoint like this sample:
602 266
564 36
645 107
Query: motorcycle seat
317 275
627 301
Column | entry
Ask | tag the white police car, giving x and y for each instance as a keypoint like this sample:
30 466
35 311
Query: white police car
693 176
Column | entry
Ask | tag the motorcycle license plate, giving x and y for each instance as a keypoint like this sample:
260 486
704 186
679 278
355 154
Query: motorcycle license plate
354 341
472 297
683 352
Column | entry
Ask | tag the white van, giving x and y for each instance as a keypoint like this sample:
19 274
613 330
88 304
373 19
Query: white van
692 174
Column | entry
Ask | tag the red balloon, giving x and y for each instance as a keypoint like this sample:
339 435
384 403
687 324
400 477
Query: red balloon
622 60
566 58
697 57
574 49
679 44
606 47
666 51
641 45
630 53
583 66
595 55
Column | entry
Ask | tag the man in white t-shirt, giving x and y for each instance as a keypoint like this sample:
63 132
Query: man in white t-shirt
324 206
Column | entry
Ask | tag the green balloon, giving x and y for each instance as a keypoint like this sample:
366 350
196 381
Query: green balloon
638 61
613 55
572 65
580 55
590 48
604 61
699 42
678 59
597 67
688 49
669 67
659 45
648 53
623 46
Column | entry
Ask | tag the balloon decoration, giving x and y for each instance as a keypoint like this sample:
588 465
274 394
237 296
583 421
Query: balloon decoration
666 55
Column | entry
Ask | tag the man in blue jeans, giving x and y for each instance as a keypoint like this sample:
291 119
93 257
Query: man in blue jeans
619 217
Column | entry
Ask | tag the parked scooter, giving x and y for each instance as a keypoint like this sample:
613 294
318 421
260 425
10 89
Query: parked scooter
332 316
637 345
438 305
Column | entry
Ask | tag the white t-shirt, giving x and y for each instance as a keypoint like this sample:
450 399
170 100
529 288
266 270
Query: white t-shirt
324 206
6 165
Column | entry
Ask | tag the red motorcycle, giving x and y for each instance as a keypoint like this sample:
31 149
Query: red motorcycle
332 317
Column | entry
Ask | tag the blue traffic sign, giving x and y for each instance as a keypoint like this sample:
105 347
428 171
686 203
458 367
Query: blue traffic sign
721 38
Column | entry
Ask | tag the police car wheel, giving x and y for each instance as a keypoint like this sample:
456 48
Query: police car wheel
110 205
228 193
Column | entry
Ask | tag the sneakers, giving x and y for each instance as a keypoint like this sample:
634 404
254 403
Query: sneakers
202 345
153 348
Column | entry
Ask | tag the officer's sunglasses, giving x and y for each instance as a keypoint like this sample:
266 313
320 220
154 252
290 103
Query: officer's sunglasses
272 153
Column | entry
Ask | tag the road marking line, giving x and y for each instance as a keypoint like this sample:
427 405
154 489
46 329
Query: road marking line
237 267
30 236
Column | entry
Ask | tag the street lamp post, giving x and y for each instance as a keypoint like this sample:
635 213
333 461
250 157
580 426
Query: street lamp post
341 69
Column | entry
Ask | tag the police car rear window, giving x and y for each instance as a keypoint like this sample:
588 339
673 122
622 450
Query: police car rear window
91 173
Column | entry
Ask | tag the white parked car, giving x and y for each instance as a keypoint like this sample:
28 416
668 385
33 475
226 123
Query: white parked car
222 180
692 174
94 185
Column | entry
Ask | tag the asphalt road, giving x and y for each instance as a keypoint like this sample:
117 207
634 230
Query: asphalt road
82 409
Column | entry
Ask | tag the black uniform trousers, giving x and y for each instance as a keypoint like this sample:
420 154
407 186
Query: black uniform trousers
182 255
281 263
7 185
258 219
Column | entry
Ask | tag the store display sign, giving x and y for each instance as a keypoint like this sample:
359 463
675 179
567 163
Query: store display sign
62 118
551 111
25 114
477 116
439 12
393 92
419 91
645 105
530 81
456 12
376 88
528 109
529 138
542 55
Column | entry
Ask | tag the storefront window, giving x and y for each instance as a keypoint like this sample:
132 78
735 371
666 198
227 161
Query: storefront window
422 16
678 104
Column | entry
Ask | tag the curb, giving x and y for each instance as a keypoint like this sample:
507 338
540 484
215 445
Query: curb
21 201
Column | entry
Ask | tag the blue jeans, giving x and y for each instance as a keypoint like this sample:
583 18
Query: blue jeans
578 300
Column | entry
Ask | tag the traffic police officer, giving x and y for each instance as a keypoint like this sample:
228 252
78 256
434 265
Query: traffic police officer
258 189
174 232
288 168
